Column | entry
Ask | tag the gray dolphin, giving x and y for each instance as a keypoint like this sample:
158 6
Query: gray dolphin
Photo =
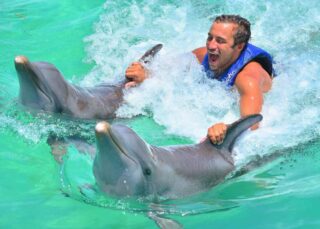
125 165
42 87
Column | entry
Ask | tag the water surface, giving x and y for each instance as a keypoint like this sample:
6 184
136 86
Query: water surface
94 41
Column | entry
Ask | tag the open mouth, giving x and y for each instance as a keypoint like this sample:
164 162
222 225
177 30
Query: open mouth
213 57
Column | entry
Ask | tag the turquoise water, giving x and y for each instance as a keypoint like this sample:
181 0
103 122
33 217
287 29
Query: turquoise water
94 41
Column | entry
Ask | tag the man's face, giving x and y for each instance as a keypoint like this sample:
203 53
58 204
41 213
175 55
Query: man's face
220 46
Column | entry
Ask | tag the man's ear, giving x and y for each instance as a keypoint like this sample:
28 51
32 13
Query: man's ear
240 46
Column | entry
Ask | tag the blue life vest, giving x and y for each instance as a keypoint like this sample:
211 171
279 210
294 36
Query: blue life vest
248 54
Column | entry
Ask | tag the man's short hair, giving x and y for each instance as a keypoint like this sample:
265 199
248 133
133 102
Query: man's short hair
243 33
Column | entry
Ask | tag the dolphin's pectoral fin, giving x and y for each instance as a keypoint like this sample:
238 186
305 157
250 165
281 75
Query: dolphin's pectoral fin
87 189
163 222
58 147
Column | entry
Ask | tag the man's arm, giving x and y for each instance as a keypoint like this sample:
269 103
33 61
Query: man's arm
136 73
251 83
200 53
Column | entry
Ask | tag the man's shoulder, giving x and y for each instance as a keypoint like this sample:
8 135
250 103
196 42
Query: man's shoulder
253 74
200 53
253 68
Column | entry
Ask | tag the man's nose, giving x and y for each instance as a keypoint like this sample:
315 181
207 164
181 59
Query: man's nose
212 44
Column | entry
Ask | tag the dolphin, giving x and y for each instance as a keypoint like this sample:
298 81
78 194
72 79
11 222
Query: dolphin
42 87
125 165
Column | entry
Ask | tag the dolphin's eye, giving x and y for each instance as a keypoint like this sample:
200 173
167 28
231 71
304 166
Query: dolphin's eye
147 172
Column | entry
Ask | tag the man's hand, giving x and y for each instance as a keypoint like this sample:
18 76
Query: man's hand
217 132
136 73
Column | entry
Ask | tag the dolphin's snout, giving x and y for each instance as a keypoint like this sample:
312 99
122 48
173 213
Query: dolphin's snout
21 60
102 127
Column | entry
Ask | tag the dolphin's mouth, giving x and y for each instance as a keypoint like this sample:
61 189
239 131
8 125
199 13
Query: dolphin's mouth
25 68
106 129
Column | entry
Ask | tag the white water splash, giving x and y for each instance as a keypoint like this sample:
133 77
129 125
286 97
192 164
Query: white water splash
180 98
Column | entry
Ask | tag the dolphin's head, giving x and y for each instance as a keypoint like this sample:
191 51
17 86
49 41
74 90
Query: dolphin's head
123 162
34 91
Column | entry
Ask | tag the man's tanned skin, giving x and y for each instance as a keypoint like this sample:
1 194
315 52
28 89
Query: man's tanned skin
223 50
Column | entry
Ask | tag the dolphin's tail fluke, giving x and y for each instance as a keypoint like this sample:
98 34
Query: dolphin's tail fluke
236 128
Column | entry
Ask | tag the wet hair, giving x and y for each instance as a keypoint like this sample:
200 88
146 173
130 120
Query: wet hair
243 32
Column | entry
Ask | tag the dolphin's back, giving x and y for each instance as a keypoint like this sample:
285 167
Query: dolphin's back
203 165
184 170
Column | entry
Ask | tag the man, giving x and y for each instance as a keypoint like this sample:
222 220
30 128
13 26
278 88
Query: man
229 58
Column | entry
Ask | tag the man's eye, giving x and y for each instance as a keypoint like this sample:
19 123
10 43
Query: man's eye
220 41
210 38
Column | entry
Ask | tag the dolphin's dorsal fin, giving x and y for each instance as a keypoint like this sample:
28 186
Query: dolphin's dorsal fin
236 128
149 54
146 58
